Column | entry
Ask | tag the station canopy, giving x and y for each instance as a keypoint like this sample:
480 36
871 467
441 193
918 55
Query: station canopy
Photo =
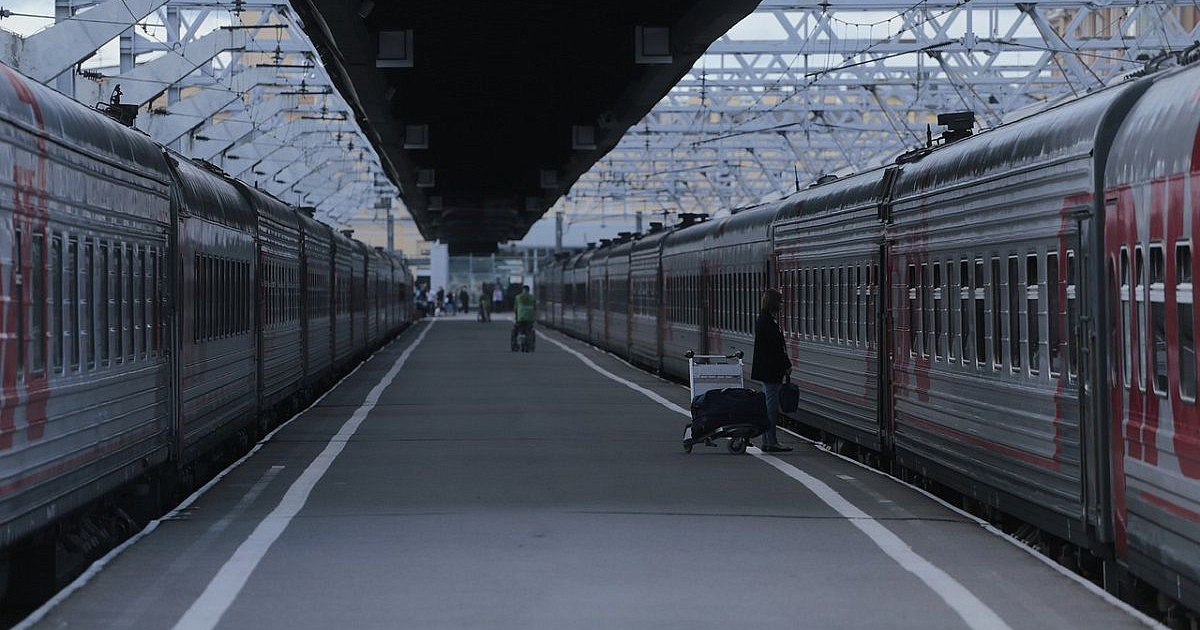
485 113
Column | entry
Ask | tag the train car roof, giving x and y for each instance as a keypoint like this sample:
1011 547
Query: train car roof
211 195
652 241
853 191
749 224
29 104
311 224
583 259
1161 135
1063 131
267 204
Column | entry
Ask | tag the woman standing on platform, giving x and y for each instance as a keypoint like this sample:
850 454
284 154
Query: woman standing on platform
771 364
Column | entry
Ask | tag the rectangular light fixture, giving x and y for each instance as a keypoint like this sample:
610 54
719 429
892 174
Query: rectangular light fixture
416 136
395 49
652 44
583 137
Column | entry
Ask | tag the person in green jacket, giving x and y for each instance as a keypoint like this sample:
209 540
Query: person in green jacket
525 307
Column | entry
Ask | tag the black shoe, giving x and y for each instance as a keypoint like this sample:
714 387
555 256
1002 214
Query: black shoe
775 448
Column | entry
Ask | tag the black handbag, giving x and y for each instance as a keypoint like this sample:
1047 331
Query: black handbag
789 395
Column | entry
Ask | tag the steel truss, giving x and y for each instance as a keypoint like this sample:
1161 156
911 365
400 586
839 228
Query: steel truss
236 83
803 89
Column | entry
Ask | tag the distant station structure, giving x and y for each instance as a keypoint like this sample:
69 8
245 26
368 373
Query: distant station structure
802 90
237 84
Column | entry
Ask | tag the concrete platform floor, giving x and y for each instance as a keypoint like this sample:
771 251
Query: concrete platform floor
488 489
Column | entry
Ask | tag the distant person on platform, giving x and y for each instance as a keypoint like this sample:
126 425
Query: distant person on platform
498 298
525 310
771 364
441 301
485 306
464 300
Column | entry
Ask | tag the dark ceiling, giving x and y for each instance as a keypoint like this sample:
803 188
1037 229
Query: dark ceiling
499 88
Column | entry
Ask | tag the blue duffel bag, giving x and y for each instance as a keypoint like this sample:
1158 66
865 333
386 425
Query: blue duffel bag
732 406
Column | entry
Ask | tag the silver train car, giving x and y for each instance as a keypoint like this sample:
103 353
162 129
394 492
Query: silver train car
154 313
1047 261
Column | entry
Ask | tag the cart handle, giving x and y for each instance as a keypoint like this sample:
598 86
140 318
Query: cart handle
691 354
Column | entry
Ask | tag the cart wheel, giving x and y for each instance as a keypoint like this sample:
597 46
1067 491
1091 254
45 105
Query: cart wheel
687 446
737 445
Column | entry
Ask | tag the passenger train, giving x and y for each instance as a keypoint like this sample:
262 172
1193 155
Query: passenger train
154 310
1008 314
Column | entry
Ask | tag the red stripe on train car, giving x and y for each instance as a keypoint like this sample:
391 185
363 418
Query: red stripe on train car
1170 506
77 461
1037 460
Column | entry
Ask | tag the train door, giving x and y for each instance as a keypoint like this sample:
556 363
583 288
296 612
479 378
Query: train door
1092 333
879 297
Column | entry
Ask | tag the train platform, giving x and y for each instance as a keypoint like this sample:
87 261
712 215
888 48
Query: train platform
451 483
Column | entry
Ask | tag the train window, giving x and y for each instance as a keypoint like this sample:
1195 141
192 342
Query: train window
19 282
127 306
965 298
118 255
840 317
864 296
71 273
996 282
56 302
1014 313
104 305
828 297
912 310
1186 335
137 323
87 328
939 348
1054 314
954 301
848 310
1126 318
152 323
1158 318
198 295
979 320
1113 317
872 295
928 316
804 277
1033 319
37 321
1139 270
854 288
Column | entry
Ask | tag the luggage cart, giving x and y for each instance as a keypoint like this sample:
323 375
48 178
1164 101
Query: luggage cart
708 372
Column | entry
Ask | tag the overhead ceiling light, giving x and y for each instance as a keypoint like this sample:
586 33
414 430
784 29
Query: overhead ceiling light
426 178
416 136
395 49
652 44
583 137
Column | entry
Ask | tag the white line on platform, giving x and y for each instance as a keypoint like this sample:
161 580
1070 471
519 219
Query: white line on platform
1150 622
223 589
95 568
972 610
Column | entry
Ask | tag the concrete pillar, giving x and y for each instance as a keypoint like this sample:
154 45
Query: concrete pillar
391 228
439 267
65 82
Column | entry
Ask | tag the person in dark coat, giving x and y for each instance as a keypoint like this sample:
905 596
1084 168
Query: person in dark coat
771 364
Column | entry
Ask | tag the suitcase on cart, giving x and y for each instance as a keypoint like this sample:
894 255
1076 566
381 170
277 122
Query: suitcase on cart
721 406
